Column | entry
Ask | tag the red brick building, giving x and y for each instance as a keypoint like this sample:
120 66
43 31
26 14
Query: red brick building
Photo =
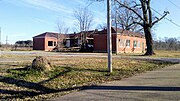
46 41
123 41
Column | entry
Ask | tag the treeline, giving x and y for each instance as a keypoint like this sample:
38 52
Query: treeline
27 43
167 44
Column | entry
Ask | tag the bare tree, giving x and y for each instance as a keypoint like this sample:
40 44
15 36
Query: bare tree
102 26
62 27
125 18
146 17
61 36
84 20
167 44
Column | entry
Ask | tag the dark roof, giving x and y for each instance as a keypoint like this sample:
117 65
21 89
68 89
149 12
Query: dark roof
51 34
47 34
123 32
74 35
88 33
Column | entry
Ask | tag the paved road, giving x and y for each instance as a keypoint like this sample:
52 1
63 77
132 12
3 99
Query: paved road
42 53
159 85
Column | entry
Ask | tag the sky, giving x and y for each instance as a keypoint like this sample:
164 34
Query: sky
23 19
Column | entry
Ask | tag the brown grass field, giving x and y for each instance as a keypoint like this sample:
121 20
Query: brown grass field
70 74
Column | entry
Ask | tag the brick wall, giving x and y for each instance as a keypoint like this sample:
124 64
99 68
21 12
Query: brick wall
131 49
38 44
42 43
100 43
50 48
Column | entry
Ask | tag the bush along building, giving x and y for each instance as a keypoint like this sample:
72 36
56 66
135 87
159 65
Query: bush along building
123 41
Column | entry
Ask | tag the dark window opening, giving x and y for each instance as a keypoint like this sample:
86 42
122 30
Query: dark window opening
50 43
54 43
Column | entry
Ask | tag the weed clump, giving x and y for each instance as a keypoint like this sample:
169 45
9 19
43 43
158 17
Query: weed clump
41 63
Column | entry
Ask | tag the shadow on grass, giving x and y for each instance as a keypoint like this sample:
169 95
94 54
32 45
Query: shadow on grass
40 89
22 93
69 69
13 65
22 83
19 69
37 87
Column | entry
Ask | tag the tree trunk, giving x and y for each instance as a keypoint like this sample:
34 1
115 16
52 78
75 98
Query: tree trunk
149 41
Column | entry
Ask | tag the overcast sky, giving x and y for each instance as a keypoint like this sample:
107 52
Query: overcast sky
23 19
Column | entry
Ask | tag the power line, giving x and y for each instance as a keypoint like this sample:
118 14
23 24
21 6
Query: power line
166 18
174 4
178 8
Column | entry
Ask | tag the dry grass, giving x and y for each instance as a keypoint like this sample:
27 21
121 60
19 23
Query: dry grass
13 56
158 53
170 54
70 73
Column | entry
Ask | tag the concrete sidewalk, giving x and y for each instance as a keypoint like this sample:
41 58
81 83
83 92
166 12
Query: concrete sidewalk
158 85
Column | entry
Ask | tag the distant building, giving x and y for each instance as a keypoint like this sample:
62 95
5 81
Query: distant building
122 40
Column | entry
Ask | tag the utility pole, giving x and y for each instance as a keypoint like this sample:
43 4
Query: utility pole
116 33
0 36
109 40
6 40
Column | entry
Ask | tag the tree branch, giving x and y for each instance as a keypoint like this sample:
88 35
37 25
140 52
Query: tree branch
138 23
158 19
144 11
130 9
150 12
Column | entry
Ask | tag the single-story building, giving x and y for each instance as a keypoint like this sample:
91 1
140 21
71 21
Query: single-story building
46 41
123 41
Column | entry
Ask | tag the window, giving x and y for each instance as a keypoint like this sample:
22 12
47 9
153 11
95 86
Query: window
134 44
50 43
128 43
121 41
54 43
139 44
